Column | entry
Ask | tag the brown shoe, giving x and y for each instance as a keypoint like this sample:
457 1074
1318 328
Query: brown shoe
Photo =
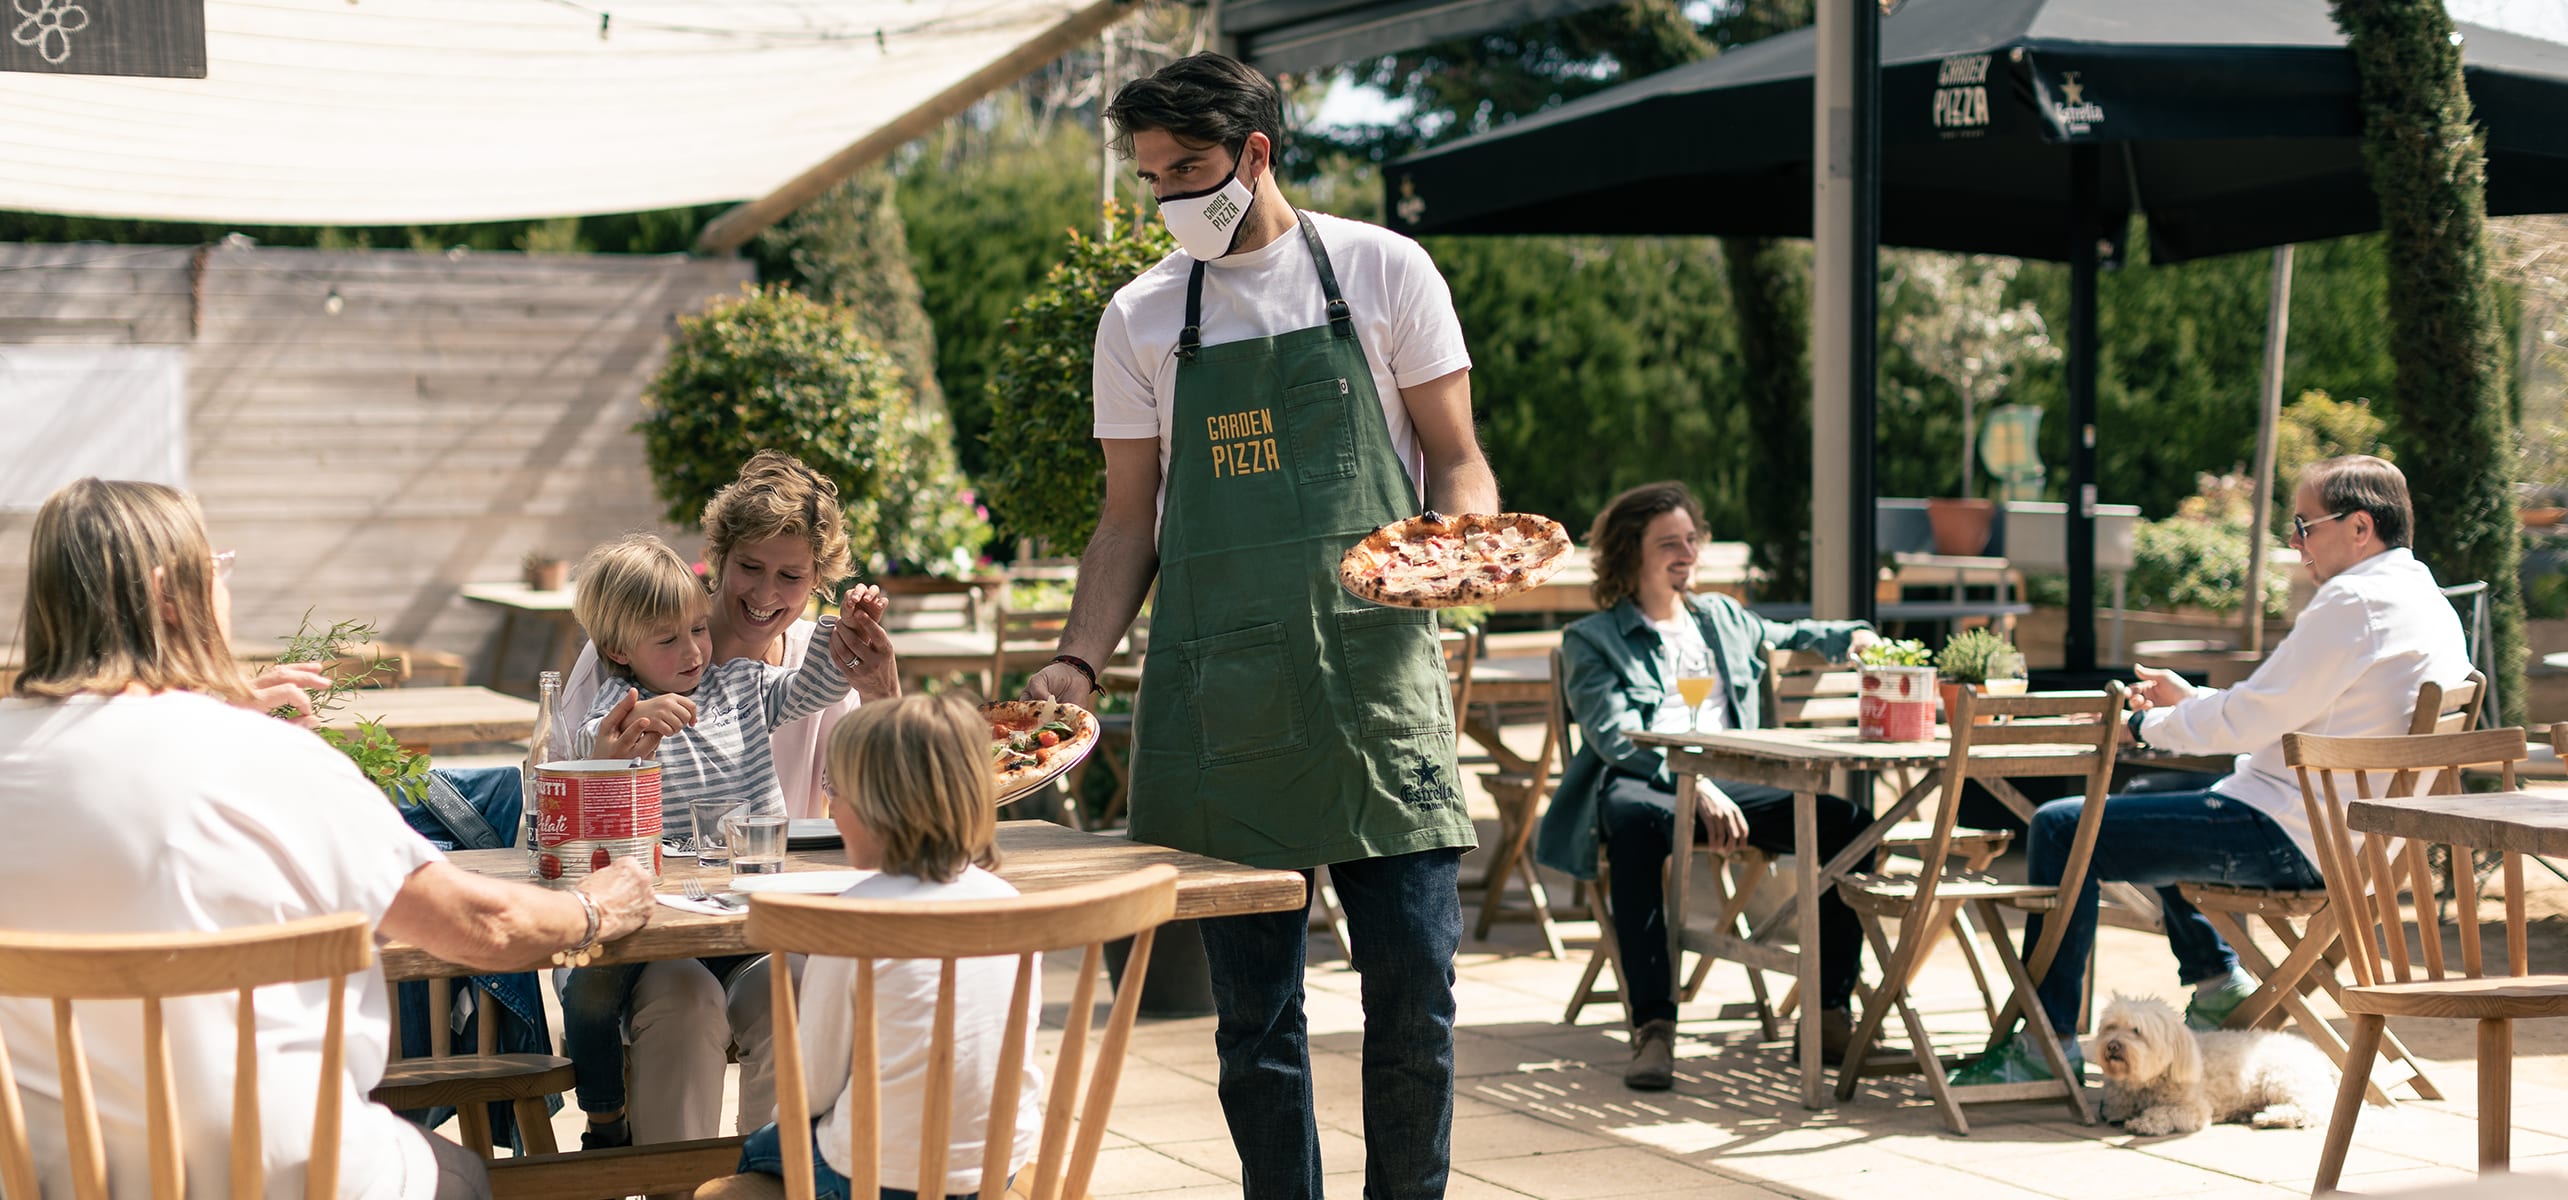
1653 1066
1836 1034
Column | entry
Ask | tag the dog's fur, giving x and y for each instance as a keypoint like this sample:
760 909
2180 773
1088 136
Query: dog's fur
2162 1078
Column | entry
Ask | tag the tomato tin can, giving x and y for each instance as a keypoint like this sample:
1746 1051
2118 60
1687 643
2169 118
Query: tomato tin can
591 812
1897 704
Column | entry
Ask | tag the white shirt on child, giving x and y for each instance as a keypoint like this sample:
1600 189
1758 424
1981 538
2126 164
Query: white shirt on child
904 1027
178 813
729 753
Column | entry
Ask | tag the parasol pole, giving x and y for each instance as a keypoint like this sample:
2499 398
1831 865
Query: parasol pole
2278 326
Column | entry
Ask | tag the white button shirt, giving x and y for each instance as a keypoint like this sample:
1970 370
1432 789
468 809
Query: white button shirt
2369 639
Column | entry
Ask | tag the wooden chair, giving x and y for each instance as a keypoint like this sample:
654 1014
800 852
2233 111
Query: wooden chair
1519 798
1089 915
2080 735
1806 690
155 967
2384 943
2313 949
473 1082
1013 633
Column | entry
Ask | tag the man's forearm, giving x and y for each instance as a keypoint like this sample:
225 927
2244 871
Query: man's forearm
1114 575
1467 486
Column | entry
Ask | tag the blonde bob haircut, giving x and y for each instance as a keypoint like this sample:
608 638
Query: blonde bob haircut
777 496
916 773
120 592
631 588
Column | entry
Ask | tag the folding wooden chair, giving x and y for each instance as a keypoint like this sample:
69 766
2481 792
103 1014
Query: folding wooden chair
473 1082
1519 797
2043 735
2312 944
154 968
2384 943
1089 915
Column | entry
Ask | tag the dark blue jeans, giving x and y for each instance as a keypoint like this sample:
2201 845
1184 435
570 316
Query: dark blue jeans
594 1003
1404 914
763 1153
1638 820
2158 840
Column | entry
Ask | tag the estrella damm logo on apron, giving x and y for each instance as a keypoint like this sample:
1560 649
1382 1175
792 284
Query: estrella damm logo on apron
1242 443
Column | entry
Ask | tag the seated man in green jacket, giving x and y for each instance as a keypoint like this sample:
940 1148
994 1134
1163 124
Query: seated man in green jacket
1623 665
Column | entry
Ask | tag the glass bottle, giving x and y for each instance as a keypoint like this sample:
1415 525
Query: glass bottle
542 746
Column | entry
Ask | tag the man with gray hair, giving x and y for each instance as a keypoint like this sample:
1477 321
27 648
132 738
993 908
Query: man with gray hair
2377 630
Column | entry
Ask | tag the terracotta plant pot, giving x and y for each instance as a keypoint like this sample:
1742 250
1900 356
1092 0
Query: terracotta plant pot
550 575
1949 693
1961 526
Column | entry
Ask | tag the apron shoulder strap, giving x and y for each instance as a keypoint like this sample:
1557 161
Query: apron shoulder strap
1191 338
1341 318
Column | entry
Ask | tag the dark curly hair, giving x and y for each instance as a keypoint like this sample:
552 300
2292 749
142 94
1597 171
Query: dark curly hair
1614 543
1201 100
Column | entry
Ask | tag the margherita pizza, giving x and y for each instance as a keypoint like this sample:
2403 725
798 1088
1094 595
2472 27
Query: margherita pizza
1031 741
1435 561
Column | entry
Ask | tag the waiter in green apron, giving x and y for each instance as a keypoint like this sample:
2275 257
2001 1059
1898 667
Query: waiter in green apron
1281 386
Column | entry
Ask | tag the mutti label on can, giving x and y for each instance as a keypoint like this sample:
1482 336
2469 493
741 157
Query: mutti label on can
591 812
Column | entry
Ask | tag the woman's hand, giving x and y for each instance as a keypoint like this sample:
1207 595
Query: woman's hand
623 896
634 727
287 686
862 649
1725 828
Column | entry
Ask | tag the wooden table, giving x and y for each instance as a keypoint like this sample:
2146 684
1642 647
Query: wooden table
1511 680
562 635
438 718
1034 855
2525 822
1801 761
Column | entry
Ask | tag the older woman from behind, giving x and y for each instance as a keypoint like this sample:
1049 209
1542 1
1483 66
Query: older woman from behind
170 802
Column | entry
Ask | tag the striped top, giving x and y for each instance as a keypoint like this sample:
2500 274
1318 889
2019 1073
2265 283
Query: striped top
728 754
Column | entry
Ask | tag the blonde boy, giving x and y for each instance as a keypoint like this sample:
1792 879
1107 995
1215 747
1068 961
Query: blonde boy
911 791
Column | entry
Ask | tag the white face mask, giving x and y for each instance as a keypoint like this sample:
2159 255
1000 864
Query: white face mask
1206 221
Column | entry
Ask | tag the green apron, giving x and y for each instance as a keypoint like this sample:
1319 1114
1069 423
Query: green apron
1283 722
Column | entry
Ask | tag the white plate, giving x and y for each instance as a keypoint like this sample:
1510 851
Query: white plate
804 883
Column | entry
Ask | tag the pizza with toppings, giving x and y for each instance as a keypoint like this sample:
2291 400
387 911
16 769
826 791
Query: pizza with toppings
1032 741
1436 561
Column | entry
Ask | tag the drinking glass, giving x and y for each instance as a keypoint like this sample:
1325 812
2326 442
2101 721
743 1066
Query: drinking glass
1695 689
712 841
757 844
2005 674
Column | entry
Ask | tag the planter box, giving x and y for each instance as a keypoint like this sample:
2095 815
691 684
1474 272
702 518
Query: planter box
2042 633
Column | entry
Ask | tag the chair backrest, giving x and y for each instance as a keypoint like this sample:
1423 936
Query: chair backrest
1089 915
2043 734
2453 710
1803 689
152 968
1460 646
1016 629
2363 879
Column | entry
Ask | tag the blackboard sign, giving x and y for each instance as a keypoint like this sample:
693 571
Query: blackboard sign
163 38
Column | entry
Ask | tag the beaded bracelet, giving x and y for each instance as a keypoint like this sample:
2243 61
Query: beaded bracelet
1081 665
586 949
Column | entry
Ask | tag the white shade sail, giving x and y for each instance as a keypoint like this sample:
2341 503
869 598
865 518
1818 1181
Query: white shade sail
392 112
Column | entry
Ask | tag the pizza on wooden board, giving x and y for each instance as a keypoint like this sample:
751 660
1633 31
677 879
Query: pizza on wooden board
1436 561
1031 741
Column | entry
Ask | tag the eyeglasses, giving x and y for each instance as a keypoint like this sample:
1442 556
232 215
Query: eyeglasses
2300 525
223 565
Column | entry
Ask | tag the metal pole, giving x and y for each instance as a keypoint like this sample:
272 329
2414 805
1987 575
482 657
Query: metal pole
2278 328
2080 641
1863 295
1838 589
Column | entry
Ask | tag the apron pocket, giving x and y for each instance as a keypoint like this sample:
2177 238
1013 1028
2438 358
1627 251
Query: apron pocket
1395 671
1323 427
1246 703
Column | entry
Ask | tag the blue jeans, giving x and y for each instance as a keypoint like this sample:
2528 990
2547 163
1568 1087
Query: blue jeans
1637 819
763 1153
594 1003
1404 915
2159 840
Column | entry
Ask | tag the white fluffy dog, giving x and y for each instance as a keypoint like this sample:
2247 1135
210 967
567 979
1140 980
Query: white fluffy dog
2162 1078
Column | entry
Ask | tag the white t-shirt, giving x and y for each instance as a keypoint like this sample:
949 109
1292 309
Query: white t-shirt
904 1028
1683 654
1402 309
800 746
176 813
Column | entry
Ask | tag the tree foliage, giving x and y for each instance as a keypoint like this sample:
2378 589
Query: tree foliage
2455 438
773 369
850 248
1045 471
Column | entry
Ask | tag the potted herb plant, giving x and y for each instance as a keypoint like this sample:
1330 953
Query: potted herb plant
402 775
1970 660
1897 703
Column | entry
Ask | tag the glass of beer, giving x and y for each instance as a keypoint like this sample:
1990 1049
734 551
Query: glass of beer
2005 674
1694 689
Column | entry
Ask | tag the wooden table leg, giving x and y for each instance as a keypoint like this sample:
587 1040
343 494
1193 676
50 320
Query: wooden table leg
1805 859
1680 867
1486 735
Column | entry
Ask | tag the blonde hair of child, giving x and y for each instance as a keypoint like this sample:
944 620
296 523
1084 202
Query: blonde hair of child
630 588
916 772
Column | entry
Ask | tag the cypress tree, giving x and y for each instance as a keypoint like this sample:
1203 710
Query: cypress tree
2451 423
